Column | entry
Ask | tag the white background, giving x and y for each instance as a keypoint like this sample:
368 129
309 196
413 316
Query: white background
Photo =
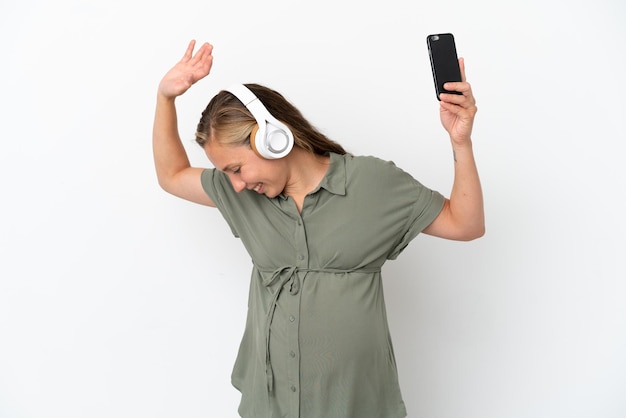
119 300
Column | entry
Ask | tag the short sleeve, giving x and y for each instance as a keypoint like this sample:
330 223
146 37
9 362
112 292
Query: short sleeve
217 186
394 207
408 202
426 208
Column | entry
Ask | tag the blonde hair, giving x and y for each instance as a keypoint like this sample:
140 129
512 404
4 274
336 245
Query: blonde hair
227 121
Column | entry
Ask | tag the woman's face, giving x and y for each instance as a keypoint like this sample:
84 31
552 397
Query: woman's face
246 170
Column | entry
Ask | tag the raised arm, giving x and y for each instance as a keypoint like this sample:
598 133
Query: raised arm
174 173
462 217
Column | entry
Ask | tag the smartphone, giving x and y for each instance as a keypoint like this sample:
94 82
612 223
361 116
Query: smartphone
444 61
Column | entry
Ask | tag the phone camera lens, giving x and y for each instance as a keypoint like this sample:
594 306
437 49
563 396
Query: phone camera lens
435 38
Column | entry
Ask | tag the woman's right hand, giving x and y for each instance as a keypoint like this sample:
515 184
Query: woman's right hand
191 68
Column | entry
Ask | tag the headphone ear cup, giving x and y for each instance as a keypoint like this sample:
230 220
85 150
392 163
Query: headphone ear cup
276 144
253 145
276 141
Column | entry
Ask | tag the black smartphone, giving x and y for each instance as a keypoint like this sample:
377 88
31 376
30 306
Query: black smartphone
443 61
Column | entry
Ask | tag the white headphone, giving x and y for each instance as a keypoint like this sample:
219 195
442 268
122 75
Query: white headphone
273 139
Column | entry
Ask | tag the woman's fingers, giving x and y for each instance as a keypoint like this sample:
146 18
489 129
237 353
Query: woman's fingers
466 99
189 51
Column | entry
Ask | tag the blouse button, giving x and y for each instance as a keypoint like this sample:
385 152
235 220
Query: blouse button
292 318
292 354
293 388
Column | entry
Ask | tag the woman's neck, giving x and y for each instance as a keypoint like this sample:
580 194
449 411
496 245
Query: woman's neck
306 171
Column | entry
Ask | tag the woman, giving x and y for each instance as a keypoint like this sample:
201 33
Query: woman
318 224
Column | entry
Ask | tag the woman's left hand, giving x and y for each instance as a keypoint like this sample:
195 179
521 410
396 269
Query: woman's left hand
457 111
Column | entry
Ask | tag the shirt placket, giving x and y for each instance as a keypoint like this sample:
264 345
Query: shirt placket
293 369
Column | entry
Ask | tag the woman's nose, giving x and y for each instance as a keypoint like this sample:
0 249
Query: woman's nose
238 184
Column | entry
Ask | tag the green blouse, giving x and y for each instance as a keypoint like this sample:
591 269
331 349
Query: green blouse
316 342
